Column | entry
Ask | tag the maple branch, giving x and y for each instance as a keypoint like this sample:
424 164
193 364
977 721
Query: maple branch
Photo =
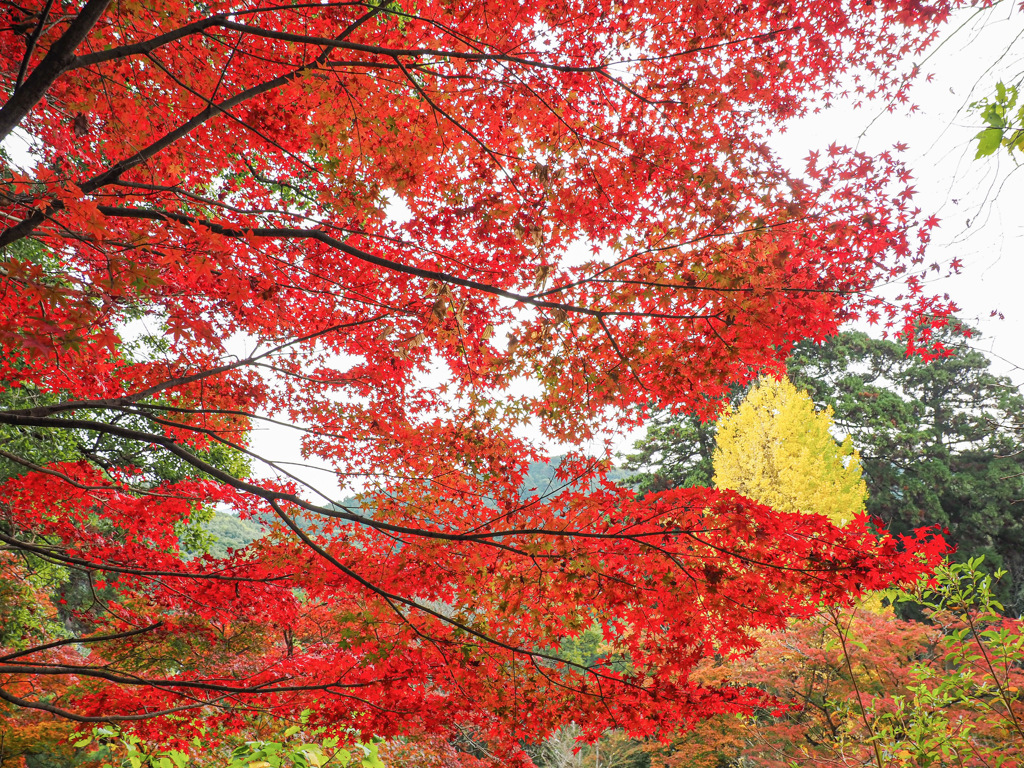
218 436
27 225
595 277
622 357
53 64
47 471
81 486
390 598
711 288
228 114
224 22
437 108
107 567
751 561
726 43
395 266
68 715
177 190
188 456
196 27
132 399
124 51
73 640
391 53
30 46
169 685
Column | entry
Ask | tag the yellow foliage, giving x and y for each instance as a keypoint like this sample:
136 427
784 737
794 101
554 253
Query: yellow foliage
776 449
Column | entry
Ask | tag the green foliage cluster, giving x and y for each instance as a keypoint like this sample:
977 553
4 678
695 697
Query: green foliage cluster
980 670
299 747
224 532
586 649
1004 125
675 452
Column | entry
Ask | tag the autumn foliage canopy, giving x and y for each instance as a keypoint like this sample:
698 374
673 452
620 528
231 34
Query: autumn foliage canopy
437 238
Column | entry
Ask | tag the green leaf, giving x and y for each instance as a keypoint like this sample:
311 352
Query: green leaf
371 760
988 142
994 115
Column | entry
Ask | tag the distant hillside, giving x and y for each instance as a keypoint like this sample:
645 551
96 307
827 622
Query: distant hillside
230 532
541 477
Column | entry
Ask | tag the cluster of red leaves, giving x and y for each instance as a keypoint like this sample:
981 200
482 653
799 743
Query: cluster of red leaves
388 630
233 169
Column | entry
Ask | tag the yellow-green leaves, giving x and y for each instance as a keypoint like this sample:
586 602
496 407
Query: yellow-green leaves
1003 126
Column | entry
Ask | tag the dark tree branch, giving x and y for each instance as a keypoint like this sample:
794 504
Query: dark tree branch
30 46
395 266
113 174
75 640
88 565
68 715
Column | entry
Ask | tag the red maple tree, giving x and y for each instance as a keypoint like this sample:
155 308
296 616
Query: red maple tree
591 206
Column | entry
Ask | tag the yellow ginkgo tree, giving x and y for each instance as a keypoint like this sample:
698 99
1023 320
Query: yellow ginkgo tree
777 449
